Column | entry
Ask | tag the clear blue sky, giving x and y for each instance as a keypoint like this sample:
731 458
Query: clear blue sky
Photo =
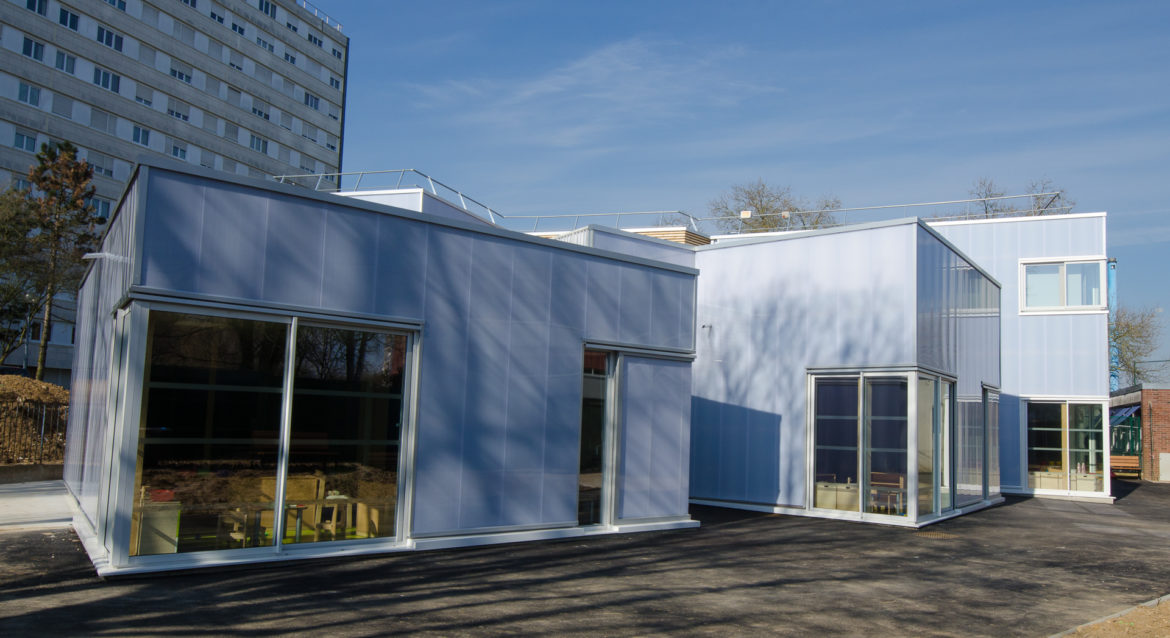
540 107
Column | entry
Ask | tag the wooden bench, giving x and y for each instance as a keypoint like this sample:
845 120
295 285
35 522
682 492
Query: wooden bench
1125 464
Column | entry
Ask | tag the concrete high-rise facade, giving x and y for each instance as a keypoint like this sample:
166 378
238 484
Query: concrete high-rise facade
250 87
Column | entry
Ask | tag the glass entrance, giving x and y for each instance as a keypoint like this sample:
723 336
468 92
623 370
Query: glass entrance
594 417
1066 446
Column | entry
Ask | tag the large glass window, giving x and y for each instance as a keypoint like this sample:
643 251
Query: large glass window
208 441
1086 436
1066 446
346 431
1059 285
835 444
1046 446
886 441
927 417
969 464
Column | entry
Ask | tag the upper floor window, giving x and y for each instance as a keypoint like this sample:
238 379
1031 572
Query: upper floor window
181 71
120 5
25 141
337 54
190 3
34 50
265 44
40 6
141 136
291 27
1063 285
30 95
238 29
258 144
109 38
312 101
105 79
335 83
290 58
266 7
217 17
315 40
66 62
68 19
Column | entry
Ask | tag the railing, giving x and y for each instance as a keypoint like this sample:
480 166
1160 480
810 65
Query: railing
308 6
957 209
32 432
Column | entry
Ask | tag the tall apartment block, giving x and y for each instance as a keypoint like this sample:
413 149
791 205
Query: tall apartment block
250 87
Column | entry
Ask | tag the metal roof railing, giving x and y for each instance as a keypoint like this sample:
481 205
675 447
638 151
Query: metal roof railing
324 17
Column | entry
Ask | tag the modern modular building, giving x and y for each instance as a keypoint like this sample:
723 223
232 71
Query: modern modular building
846 373
265 373
1055 323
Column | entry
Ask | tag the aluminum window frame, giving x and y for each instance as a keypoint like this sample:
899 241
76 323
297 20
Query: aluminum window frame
1063 307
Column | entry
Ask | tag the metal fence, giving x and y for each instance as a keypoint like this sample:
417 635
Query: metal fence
32 432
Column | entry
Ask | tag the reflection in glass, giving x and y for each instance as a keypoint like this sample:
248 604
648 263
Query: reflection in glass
1046 446
1083 284
945 453
594 394
207 443
885 412
969 461
1085 450
346 426
926 419
835 462
991 412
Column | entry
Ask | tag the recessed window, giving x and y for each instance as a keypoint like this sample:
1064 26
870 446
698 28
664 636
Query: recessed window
312 101
25 141
1063 285
63 106
178 110
29 94
291 27
68 19
102 164
109 38
265 44
178 149
102 121
315 40
120 5
238 29
34 50
39 6
141 136
190 3
337 54
260 109
335 83
266 7
101 210
181 72
258 144
217 17
65 62
290 58
106 80
144 95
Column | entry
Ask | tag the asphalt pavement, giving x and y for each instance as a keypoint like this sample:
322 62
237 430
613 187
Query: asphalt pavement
1030 567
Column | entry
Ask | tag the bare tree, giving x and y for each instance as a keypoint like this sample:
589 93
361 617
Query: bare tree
1046 199
772 208
1134 335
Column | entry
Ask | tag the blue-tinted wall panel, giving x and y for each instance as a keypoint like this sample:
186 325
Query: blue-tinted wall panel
655 437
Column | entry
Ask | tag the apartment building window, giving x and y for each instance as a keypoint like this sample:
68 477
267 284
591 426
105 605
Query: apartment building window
265 44
181 71
149 15
211 85
65 62
101 210
238 29
308 131
291 27
102 121
234 97
266 7
120 5
334 114
106 80
39 6
102 164
141 136
229 165
210 123
63 106
217 17
144 95
258 144
206 160
290 58
25 141
335 83
315 40
236 61
190 3
178 110
260 109
286 120
331 142
68 19
183 33
337 54
312 101
231 131
34 50
21 184
109 38
262 74
215 50
28 94
287 86
146 55
177 149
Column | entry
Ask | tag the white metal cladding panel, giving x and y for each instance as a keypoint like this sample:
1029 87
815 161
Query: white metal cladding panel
410 200
655 436
639 246
768 312
98 298
958 317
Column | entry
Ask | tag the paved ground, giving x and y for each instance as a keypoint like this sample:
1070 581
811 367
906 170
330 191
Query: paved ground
34 505
1029 568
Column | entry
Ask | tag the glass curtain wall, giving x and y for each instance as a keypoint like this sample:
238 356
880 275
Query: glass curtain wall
835 444
886 445
210 440
927 423
946 453
1046 446
969 464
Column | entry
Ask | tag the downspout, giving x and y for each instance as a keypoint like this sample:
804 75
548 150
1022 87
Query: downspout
1111 282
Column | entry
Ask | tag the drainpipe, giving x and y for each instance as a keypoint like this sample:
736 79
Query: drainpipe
1111 278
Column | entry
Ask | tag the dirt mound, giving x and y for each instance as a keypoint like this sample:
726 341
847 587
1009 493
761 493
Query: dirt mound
17 388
